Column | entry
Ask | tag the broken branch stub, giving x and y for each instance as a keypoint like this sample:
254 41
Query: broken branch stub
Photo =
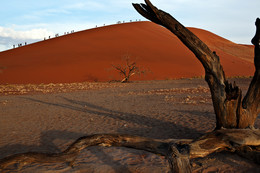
230 113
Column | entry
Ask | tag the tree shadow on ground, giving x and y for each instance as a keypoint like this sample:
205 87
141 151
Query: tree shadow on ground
198 113
166 129
148 127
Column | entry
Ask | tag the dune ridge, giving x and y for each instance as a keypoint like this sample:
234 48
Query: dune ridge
88 56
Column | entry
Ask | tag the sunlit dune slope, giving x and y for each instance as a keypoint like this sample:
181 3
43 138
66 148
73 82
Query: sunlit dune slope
88 55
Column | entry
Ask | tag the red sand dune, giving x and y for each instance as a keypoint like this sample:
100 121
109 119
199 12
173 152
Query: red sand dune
88 55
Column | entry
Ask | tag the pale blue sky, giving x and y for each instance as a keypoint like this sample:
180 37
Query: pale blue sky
32 20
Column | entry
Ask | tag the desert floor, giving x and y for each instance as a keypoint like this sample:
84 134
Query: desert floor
48 118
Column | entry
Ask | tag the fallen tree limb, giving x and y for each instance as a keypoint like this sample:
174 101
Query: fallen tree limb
177 152
70 154
231 112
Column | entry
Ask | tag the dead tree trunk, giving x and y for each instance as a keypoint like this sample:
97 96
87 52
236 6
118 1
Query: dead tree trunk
227 98
231 112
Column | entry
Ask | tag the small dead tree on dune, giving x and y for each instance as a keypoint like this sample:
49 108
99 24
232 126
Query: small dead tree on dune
235 116
129 69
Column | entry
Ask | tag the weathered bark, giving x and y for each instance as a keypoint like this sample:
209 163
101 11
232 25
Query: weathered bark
227 98
179 161
177 152
69 155
231 112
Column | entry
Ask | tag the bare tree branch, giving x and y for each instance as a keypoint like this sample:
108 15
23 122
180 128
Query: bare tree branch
227 99
128 70
227 102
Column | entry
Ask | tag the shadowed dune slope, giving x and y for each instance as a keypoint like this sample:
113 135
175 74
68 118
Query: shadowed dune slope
88 55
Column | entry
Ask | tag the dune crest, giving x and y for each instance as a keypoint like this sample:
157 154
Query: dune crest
88 55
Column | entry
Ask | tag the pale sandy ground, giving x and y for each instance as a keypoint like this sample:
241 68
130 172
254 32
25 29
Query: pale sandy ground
49 122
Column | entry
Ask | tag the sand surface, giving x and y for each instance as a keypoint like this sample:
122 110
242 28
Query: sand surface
49 122
89 55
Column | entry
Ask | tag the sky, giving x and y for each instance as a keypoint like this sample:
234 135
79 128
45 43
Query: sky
31 20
